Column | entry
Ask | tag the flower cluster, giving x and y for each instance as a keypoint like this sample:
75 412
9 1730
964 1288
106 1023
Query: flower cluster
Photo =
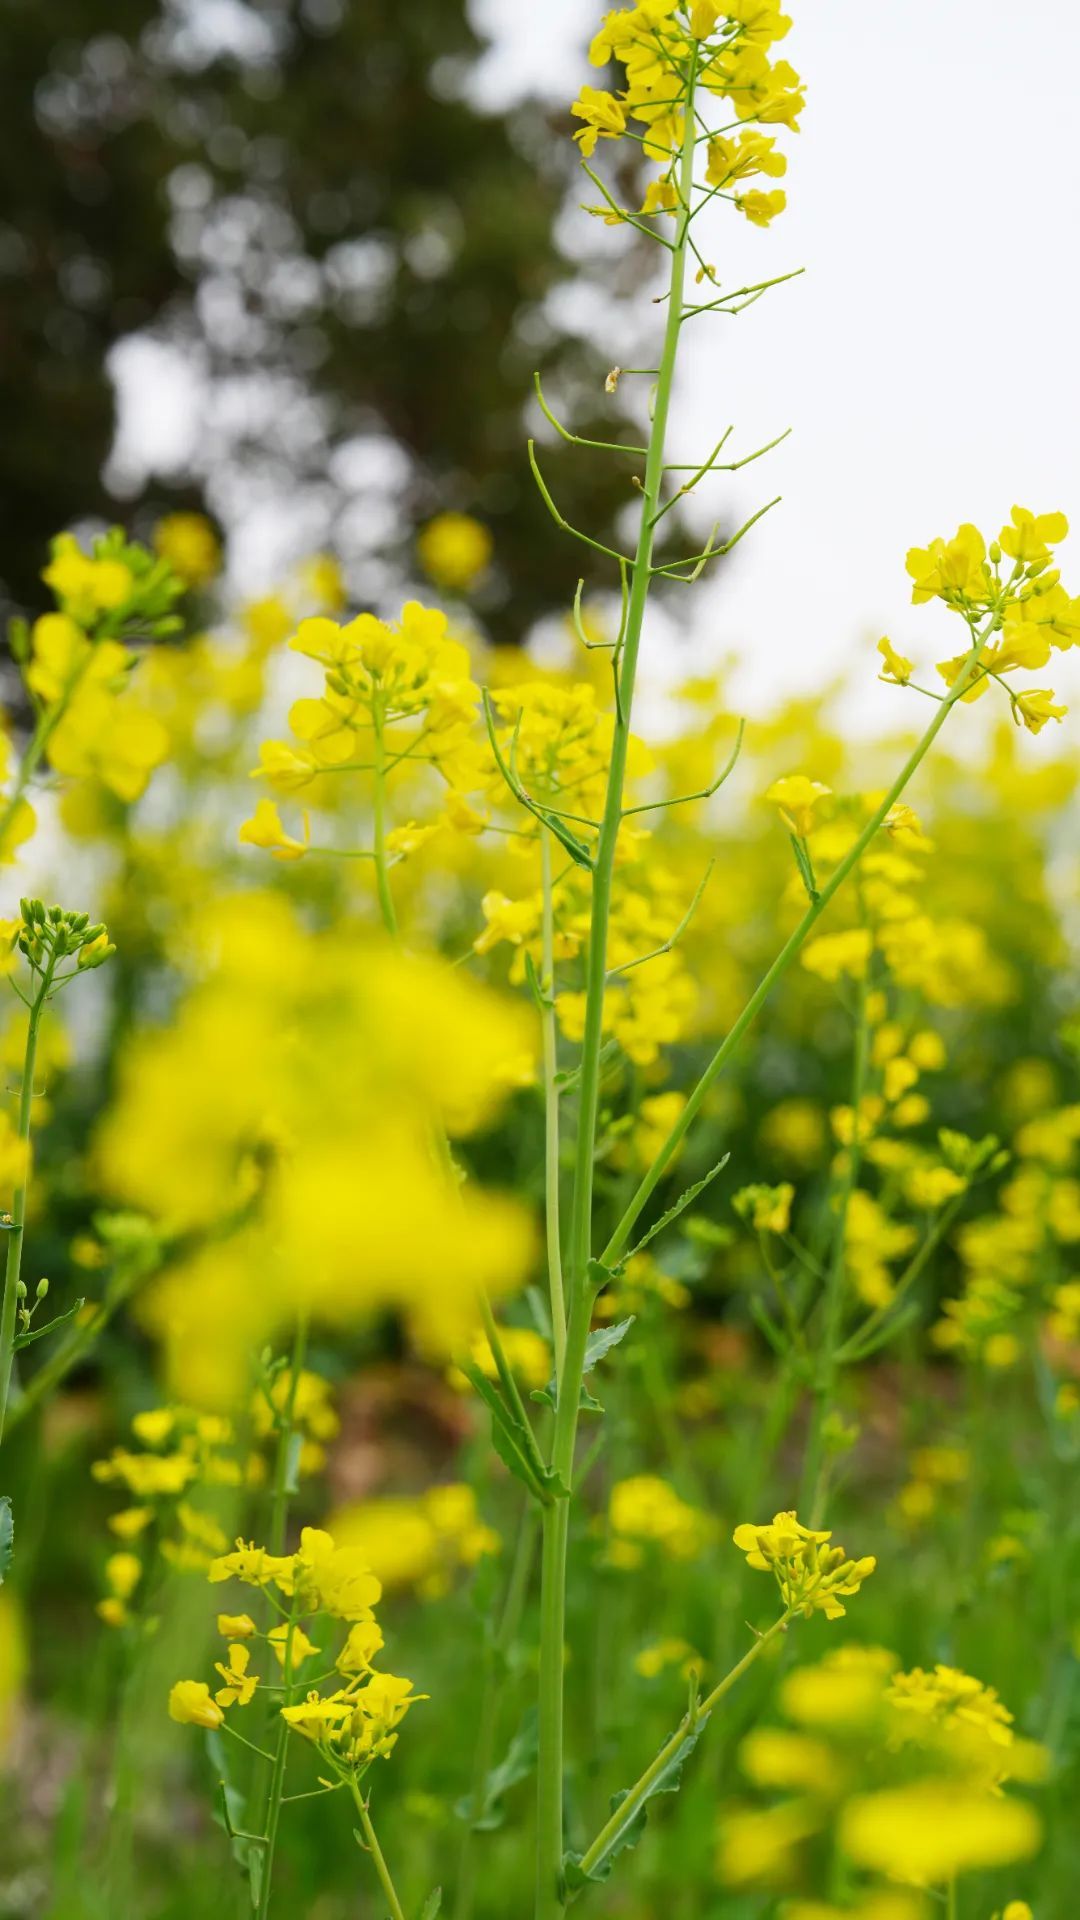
668 50
905 1772
357 1722
1015 614
810 1574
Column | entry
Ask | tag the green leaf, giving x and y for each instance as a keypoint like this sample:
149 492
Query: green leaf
7 1536
668 1780
598 1343
517 1764
513 1442
432 1905
37 1333
576 848
684 1200
805 866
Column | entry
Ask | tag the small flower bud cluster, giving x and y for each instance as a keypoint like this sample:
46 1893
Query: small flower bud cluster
49 935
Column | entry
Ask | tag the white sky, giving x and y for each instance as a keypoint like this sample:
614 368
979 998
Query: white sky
927 359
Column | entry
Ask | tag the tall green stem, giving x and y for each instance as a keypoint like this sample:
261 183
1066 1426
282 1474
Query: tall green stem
396 1910
549 1041
13 1262
277 1777
549 1835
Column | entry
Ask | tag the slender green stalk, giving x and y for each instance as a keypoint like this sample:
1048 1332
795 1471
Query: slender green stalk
788 953
13 1262
491 1701
629 1807
549 1831
911 1273
382 876
397 1912
279 1493
815 1473
549 1041
277 1776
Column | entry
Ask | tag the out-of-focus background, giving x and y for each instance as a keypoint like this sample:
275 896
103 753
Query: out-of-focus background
296 262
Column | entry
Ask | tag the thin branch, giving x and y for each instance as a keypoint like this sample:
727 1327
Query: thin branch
673 938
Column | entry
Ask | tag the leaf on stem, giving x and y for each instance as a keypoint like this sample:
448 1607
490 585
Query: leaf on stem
668 1780
31 1334
514 1443
599 1342
684 1200
517 1763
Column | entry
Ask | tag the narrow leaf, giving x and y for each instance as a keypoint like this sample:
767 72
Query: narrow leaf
685 1200
37 1333
601 1341
510 1440
668 1780
432 1905
516 1765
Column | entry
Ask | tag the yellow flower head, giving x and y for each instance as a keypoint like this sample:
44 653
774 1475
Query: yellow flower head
811 1575
797 798
191 1705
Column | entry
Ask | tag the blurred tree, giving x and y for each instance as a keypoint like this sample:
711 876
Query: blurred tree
294 212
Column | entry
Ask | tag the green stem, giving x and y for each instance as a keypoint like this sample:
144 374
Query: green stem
397 1912
277 1777
382 876
815 1473
549 1038
911 1273
13 1262
490 1703
629 1807
775 973
549 1834
279 1494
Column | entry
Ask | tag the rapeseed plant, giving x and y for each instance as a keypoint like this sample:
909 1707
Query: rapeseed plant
426 1080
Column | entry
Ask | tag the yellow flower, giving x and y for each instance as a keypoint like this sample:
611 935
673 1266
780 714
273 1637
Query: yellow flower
190 545
236 1626
1031 536
363 1642
254 1566
811 1575
928 1831
761 208
833 955
797 797
953 570
1035 707
604 117
265 830
301 1647
239 1685
454 550
896 668
767 1209
191 1705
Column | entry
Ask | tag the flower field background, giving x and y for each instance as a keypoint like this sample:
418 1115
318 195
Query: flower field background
540 1351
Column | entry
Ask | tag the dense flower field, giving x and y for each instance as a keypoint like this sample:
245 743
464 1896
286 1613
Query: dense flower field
559 1373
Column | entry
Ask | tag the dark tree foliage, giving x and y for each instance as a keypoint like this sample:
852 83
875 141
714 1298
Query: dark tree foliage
301 200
